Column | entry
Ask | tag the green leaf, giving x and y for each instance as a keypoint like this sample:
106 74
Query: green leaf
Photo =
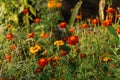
32 10
14 18
113 31
75 12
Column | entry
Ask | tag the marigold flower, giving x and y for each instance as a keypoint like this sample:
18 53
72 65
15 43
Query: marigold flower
38 70
54 63
78 17
63 25
118 30
8 57
58 5
107 23
64 39
95 21
35 49
110 10
52 79
10 36
36 20
84 26
63 53
51 4
42 62
44 35
83 55
72 40
106 59
12 46
49 59
71 30
26 11
118 16
9 25
31 35
59 43
56 58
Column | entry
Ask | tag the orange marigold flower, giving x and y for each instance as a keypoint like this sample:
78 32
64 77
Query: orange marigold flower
8 57
12 46
118 30
110 10
52 79
106 59
58 5
95 21
31 35
9 25
71 30
56 58
84 26
63 25
36 20
25 11
78 17
49 59
51 4
10 36
59 43
107 23
35 49
118 16
44 35
42 62
72 40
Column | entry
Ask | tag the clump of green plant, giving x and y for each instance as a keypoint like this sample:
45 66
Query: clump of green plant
39 47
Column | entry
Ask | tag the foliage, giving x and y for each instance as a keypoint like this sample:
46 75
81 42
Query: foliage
35 45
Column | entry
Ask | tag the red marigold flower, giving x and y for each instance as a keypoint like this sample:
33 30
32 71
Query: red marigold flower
95 21
38 70
82 55
110 10
63 25
10 36
107 23
31 35
36 20
72 40
42 62
63 53
118 30
84 26
8 57
26 11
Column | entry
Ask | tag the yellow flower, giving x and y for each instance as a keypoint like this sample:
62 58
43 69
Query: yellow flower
106 59
59 43
35 49
51 4
54 4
